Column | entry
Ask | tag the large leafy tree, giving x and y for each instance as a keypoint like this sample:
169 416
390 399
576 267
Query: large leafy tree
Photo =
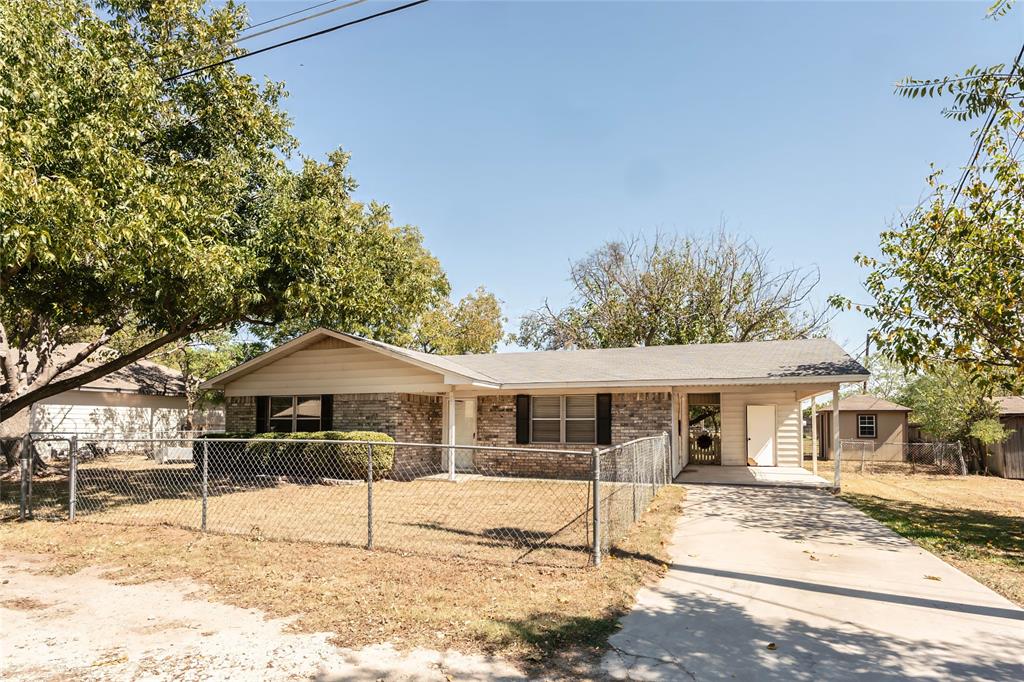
131 196
677 290
473 325
948 285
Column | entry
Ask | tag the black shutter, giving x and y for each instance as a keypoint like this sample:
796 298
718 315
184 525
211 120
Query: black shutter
326 412
604 418
522 419
262 405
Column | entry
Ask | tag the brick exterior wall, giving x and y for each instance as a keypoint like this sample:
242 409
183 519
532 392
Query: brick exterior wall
418 419
405 417
634 415
240 414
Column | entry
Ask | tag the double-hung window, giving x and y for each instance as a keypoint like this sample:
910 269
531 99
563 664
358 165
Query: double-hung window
563 419
867 425
292 413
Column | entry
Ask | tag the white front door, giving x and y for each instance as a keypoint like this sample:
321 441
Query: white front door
465 431
761 435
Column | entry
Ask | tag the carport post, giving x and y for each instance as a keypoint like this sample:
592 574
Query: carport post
206 477
595 456
73 478
369 496
837 443
451 435
814 435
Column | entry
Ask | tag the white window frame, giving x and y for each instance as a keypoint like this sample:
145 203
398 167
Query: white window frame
562 418
874 426
295 411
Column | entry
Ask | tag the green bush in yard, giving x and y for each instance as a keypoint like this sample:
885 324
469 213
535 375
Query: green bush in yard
328 459
222 455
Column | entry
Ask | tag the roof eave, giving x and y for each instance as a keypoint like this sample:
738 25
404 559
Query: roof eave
644 383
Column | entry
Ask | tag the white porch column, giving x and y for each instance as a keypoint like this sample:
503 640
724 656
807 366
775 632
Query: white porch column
814 435
683 424
672 440
451 434
836 443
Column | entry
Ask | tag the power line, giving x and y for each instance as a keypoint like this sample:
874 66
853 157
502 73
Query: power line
290 14
984 131
301 19
299 39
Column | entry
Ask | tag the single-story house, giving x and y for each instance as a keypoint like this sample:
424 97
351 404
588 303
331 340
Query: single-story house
144 399
1007 458
731 403
879 424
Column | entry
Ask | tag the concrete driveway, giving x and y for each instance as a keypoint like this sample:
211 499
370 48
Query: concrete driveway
773 583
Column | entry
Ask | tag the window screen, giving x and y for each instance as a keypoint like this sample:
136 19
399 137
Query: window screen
563 419
281 414
289 413
546 417
866 426
580 418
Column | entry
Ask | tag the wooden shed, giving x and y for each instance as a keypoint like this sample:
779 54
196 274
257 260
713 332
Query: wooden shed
1007 458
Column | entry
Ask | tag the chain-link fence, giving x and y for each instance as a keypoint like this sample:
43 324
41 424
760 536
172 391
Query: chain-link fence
490 503
631 475
869 457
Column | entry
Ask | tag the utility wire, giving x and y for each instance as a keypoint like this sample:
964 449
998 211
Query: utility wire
293 22
229 60
285 16
984 131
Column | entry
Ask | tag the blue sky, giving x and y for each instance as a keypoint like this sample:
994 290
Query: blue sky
521 135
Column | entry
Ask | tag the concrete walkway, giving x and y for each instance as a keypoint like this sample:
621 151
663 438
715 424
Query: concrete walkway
791 584
784 477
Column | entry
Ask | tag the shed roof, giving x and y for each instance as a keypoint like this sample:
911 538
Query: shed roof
866 402
1010 404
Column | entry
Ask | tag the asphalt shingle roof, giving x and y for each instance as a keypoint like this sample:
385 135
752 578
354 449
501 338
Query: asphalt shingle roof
771 360
869 403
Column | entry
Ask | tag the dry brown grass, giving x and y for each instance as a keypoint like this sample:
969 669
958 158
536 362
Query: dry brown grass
546 617
974 522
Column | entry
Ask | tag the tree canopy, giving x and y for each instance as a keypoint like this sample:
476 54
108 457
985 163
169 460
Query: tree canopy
948 285
677 290
130 196
473 325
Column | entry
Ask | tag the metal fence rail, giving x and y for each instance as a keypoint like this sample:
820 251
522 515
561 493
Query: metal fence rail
499 504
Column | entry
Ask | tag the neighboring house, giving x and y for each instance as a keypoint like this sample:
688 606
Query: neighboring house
1007 458
879 424
141 400
734 402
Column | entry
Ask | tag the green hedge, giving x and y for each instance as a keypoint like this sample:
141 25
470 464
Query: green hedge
331 460
223 456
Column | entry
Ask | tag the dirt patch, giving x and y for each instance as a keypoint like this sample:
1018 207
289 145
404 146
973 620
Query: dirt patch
542 618
166 630
24 604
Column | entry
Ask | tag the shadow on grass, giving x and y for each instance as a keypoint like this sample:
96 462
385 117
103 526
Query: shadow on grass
967 534
102 489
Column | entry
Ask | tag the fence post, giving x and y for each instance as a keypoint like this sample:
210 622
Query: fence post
618 455
596 481
839 468
206 477
667 456
25 459
73 478
369 497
